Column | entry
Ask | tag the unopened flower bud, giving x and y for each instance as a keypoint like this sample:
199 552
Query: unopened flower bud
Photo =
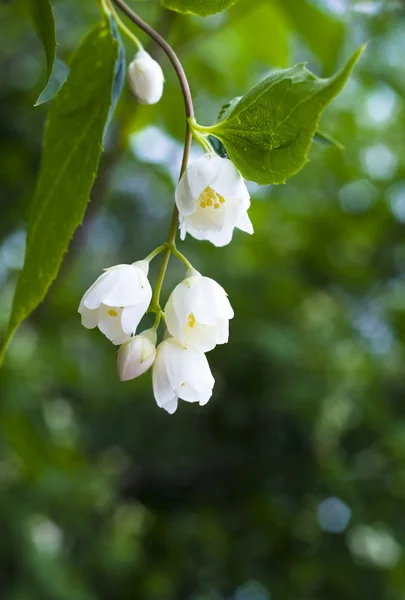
146 78
137 355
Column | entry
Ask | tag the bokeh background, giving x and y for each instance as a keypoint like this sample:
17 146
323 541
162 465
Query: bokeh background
290 483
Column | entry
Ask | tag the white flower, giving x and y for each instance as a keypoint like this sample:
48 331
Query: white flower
117 301
212 199
146 78
180 372
137 355
198 312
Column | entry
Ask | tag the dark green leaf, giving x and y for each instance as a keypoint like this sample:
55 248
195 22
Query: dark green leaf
269 132
119 74
203 8
41 13
71 151
58 77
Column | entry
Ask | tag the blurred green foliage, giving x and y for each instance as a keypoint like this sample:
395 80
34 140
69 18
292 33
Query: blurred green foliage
290 483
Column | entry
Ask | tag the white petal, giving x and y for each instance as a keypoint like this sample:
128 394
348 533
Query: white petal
121 286
223 332
199 175
201 338
130 318
171 405
111 325
229 182
163 389
245 224
130 286
89 317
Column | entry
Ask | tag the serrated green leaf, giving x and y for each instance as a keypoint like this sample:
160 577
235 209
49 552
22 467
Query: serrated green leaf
269 132
202 8
57 78
41 13
71 151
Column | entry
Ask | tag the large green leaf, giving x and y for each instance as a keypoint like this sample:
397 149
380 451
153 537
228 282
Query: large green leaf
203 8
269 132
71 151
41 13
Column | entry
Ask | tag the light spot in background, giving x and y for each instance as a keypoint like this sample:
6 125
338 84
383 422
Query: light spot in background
12 252
374 545
358 196
252 590
391 52
338 7
396 199
380 106
367 7
24 345
152 145
379 161
104 236
45 535
333 515
59 415
375 331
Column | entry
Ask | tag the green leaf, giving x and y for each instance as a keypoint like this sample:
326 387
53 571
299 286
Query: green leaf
71 151
269 132
58 77
202 8
41 13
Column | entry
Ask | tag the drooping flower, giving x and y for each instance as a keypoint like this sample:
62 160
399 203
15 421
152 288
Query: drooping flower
146 78
198 312
117 301
180 372
212 200
137 355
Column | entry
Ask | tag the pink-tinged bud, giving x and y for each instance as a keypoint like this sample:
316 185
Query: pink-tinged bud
137 355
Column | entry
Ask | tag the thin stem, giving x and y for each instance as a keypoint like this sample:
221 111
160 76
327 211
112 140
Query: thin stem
155 252
189 110
203 141
123 27
200 128
182 258
166 48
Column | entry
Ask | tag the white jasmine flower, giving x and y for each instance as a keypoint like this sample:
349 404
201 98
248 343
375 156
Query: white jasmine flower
180 372
137 355
212 199
198 312
117 301
146 78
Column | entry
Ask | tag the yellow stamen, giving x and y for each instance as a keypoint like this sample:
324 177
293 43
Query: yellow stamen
209 197
191 320
112 312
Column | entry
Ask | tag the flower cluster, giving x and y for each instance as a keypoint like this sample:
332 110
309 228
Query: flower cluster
212 200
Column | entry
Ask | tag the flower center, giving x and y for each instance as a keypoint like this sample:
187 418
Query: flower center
191 320
209 197
112 312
